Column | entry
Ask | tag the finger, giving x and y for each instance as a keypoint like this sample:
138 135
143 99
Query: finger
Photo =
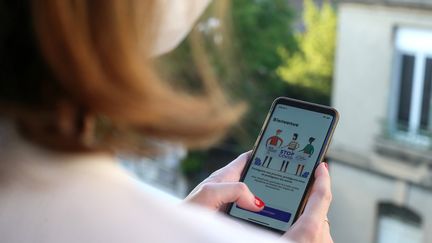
232 171
326 235
229 192
319 201
326 228
240 162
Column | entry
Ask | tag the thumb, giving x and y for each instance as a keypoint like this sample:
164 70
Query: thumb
218 194
319 201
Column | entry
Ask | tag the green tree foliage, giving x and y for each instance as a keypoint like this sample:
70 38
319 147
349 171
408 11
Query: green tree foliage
244 56
258 28
246 53
312 65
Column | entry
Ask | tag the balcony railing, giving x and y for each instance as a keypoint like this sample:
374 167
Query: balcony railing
422 4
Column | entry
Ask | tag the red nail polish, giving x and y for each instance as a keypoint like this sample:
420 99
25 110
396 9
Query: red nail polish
326 165
259 202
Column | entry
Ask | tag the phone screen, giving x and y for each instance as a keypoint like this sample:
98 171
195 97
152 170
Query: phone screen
283 163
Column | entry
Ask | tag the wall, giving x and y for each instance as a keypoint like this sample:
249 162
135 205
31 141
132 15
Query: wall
356 194
361 92
363 70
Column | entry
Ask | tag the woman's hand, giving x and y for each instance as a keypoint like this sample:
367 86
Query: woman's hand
223 187
313 225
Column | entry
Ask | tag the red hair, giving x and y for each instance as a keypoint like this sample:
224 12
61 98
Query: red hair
96 87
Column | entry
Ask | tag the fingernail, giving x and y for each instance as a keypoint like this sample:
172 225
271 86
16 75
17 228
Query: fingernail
326 165
258 202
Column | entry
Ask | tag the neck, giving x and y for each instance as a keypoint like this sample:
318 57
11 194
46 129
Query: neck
20 157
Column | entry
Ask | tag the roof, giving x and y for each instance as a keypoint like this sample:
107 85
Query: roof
422 4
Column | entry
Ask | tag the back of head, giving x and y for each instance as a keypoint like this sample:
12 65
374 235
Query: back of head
78 75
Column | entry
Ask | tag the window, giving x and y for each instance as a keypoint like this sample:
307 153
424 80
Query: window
398 225
410 112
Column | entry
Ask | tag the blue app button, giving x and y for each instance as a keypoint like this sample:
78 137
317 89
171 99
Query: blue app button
272 213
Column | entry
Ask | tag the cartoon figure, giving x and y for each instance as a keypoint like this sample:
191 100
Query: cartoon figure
272 144
299 170
274 140
284 165
308 150
293 145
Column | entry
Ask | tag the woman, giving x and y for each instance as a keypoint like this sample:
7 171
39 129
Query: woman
78 85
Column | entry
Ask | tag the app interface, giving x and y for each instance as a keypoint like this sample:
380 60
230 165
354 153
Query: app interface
282 165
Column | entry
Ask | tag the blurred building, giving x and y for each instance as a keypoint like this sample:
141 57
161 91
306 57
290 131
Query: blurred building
381 157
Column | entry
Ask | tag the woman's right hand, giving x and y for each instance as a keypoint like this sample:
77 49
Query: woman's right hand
313 226
223 187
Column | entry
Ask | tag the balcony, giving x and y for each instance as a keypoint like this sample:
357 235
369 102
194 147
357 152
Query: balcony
419 4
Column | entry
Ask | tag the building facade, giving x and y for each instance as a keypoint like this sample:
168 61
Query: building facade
381 156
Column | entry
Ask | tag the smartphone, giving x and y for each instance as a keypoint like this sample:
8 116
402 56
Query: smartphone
292 142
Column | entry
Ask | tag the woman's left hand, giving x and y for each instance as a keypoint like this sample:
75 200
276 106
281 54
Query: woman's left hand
223 187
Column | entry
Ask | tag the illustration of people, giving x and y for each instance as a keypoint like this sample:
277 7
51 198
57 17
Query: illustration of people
284 165
288 154
273 143
300 168
293 145
308 150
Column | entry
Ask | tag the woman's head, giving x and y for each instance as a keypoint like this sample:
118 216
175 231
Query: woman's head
78 75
